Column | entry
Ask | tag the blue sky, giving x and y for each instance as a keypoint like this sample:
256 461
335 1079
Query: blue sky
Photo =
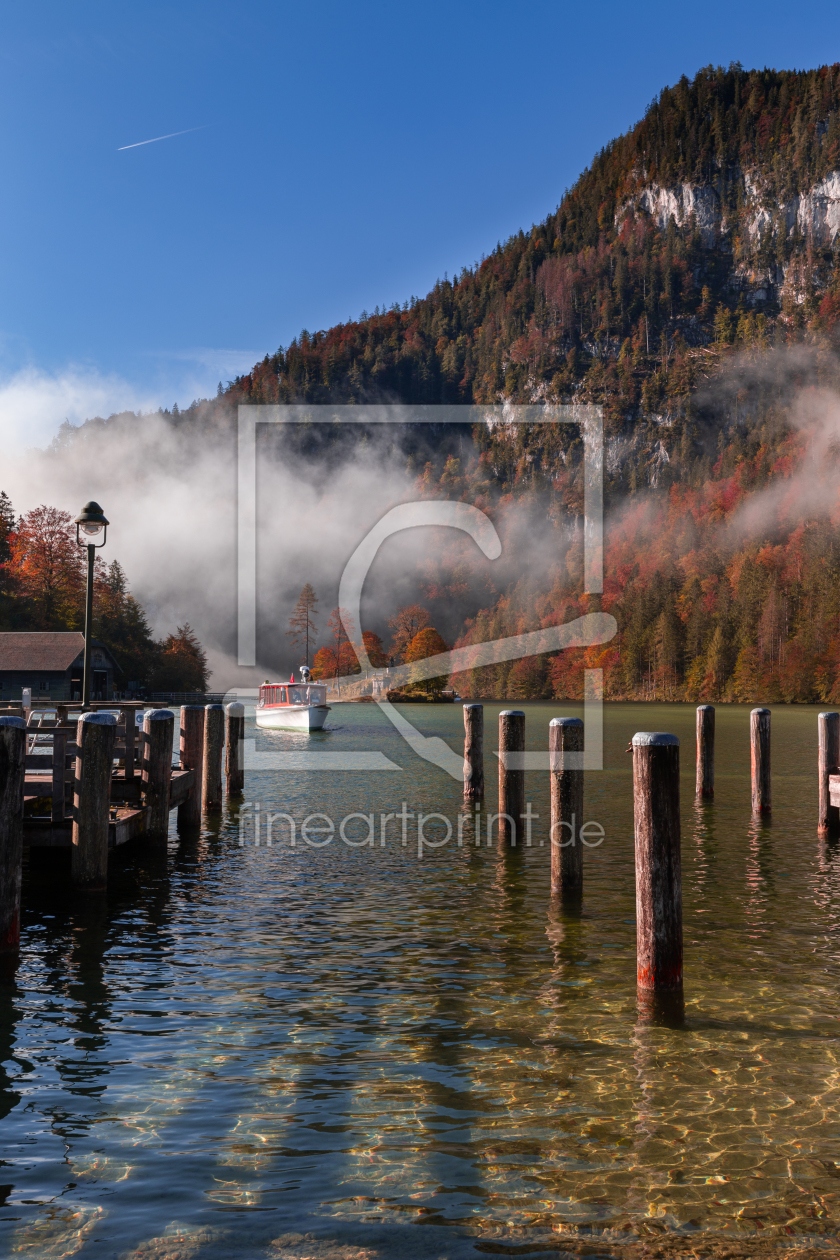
345 157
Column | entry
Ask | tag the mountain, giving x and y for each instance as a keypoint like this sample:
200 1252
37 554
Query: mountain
713 220
689 283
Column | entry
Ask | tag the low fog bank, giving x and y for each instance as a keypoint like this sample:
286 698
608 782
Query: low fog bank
168 485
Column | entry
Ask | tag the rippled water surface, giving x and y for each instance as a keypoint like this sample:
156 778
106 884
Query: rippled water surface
355 1052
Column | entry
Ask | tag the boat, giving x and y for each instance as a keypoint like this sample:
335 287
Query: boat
293 706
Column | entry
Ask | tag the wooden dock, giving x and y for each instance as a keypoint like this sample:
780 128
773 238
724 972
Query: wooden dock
127 821
52 760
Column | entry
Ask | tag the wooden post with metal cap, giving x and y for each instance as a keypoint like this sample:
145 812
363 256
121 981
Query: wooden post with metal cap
565 746
192 758
760 760
159 731
511 775
656 816
828 731
214 743
95 736
473 752
234 748
705 778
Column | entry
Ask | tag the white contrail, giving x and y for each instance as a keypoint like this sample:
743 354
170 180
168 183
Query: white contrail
155 139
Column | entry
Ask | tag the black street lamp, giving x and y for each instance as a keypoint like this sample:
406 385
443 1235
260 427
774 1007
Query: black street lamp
90 521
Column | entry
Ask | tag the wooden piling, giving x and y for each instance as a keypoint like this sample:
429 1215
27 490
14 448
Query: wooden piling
760 760
828 730
192 758
565 736
705 782
511 779
656 815
95 736
59 759
129 720
12 777
214 741
473 752
158 732
234 749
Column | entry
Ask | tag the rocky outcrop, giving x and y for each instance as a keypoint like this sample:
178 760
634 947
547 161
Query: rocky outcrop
679 204
815 213
812 216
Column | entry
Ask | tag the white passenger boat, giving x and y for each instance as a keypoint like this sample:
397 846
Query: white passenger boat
293 706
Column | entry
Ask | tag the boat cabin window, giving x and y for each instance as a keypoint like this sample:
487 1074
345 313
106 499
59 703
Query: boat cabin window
292 695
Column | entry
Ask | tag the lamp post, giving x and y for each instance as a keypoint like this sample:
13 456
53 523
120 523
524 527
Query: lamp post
90 521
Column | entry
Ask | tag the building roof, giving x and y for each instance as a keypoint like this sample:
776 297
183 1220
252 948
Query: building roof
42 651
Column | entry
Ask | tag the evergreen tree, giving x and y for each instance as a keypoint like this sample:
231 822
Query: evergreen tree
7 524
182 663
303 629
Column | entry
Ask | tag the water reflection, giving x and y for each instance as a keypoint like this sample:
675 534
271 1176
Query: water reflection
340 1041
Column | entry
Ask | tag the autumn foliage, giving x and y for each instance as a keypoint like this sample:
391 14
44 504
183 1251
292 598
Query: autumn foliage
43 575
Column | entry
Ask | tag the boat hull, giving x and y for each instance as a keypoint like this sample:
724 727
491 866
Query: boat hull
293 717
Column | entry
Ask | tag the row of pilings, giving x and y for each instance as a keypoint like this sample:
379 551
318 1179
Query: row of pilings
656 819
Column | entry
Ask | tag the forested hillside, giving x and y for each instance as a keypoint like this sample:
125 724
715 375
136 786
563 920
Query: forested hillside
689 283
701 226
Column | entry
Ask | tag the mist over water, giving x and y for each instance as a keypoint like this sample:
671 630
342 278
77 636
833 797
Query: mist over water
169 488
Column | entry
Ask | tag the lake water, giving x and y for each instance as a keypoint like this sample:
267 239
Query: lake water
350 1052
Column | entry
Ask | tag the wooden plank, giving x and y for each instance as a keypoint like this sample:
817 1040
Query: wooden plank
45 778
130 824
43 761
179 786
43 833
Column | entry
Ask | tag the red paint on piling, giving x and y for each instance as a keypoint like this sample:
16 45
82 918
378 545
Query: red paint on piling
10 939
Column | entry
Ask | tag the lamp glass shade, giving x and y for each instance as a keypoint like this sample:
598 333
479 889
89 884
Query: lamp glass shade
93 528
91 514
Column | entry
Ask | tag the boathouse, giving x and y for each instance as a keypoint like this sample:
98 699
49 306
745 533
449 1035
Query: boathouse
51 663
